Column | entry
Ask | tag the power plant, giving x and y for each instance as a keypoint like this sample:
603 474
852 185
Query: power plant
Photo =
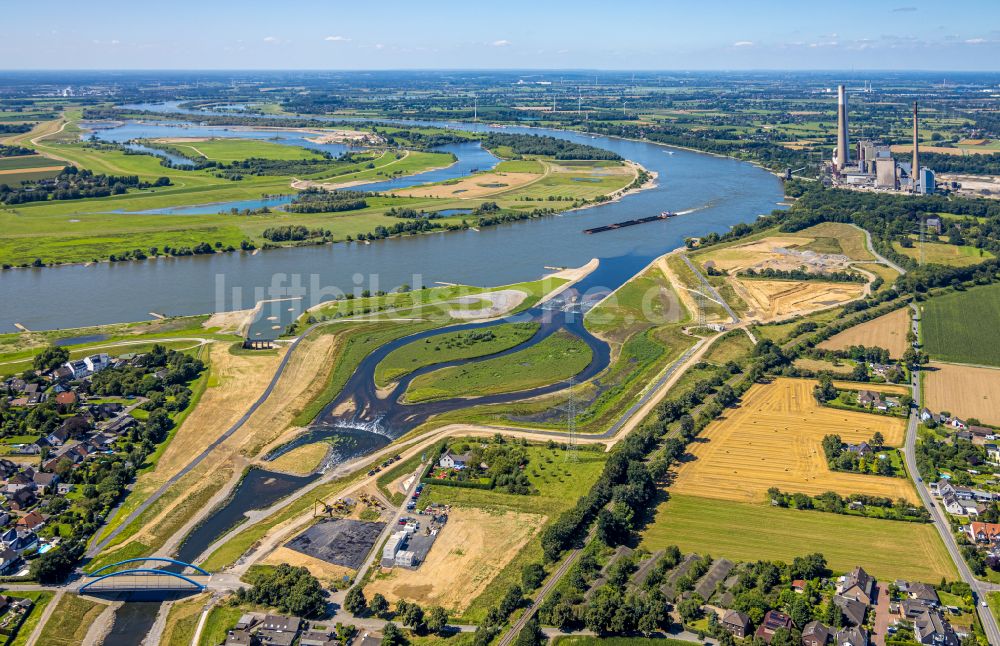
875 167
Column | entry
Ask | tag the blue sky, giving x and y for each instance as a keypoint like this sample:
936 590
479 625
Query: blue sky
545 34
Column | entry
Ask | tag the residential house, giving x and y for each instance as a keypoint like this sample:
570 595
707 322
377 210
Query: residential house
858 585
22 499
986 533
815 634
9 562
923 593
32 520
451 460
58 437
854 610
66 399
241 638
281 624
19 540
97 362
78 369
960 507
867 397
799 586
772 622
736 623
863 449
854 636
926 415
367 639
931 628
317 638
993 453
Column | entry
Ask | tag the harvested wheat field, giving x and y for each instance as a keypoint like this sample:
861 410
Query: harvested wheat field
887 331
774 440
469 553
771 300
964 391
478 185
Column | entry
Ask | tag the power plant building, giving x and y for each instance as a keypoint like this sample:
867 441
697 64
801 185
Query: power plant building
874 165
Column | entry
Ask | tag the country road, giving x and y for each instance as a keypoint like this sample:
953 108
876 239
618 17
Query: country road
939 520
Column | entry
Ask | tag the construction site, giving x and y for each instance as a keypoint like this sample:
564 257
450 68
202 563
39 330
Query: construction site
409 545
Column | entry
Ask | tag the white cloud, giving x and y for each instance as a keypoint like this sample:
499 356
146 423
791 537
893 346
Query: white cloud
271 39
337 39
500 43
976 41
743 43
379 46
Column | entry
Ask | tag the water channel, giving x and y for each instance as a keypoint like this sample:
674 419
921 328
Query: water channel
714 193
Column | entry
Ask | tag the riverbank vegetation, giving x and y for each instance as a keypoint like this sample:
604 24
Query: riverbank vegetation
555 358
451 346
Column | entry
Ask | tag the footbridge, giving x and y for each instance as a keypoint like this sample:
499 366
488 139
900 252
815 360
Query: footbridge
166 575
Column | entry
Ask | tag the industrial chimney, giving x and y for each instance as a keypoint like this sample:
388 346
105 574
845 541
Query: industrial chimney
915 174
843 155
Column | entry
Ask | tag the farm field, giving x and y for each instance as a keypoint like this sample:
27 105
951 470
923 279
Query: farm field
963 327
887 549
774 440
557 357
473 547
887 331
965 391
449 347
945 254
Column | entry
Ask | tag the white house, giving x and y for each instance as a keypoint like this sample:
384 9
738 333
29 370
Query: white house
453 460
97 362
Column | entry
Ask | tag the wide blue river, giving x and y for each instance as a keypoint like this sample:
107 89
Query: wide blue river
715 193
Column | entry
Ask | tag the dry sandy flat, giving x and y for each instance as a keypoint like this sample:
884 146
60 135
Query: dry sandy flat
470 551
479 185
777 299
235 382
233 321
500 302
774 440
964 391
325 572
887 331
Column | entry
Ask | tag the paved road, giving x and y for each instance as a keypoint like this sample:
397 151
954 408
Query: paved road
880 257
708 286
939 520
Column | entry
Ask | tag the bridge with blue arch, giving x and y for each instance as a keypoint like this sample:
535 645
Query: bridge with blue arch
181 577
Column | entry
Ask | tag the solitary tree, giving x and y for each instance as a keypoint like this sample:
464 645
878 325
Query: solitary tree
355 602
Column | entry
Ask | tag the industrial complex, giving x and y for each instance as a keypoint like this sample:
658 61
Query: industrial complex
873 165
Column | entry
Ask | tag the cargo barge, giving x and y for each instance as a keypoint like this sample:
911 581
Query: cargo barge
628 223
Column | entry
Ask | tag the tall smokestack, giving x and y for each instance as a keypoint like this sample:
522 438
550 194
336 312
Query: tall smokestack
843 155
916 151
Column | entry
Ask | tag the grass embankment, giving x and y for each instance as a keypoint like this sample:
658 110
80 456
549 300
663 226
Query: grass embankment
70 621
221 618
451 346
963 326
941 253
182 622
555 358
750 532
